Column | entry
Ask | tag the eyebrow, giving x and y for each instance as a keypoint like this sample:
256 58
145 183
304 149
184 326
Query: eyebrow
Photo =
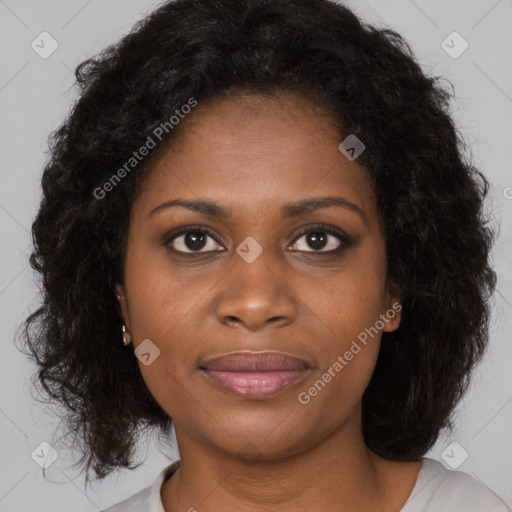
288 210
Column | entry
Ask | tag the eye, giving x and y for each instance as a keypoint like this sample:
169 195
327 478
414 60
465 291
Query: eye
193 239
317 239
322 239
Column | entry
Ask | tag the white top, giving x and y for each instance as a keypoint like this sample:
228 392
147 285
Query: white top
437 489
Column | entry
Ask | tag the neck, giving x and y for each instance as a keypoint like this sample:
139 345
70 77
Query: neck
339 473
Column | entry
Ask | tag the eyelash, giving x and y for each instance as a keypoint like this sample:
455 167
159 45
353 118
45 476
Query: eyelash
345 241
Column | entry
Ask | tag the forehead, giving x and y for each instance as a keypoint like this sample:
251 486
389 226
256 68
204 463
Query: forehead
250 152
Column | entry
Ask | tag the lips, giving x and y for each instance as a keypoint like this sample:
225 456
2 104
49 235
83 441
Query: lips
254 361
255 375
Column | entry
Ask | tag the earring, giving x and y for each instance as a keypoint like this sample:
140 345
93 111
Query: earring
126 337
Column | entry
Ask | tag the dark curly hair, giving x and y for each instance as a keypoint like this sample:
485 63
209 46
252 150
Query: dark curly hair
430 196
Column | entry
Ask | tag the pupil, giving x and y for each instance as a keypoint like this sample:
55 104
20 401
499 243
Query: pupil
195 240
316 240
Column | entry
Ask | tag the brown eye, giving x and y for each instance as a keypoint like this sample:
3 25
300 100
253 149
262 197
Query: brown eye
320 239
193 240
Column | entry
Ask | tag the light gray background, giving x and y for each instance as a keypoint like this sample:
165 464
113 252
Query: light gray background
35 94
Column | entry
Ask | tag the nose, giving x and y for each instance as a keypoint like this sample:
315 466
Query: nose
256 295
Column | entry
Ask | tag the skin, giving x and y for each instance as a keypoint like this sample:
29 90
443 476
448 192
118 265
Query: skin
252 155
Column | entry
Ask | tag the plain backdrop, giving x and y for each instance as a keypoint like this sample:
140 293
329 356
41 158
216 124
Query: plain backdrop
36 93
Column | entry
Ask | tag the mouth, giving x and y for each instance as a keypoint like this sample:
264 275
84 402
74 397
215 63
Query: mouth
255 375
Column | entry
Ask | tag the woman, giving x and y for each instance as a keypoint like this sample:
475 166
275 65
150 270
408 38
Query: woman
268 203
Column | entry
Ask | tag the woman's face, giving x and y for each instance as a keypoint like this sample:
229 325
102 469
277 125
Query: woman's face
256 283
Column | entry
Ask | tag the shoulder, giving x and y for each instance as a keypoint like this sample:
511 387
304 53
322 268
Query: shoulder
147 500
441 490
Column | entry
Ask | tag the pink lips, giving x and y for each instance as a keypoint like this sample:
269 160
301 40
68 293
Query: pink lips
255 375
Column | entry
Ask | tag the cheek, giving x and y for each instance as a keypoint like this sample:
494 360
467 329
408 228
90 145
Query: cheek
346 357
167 307
351 309
163 299
354 297
175 393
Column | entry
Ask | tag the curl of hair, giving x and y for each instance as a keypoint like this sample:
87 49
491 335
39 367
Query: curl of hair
430 197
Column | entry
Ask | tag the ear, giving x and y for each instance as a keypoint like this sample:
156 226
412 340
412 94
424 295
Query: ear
392 314
121 304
